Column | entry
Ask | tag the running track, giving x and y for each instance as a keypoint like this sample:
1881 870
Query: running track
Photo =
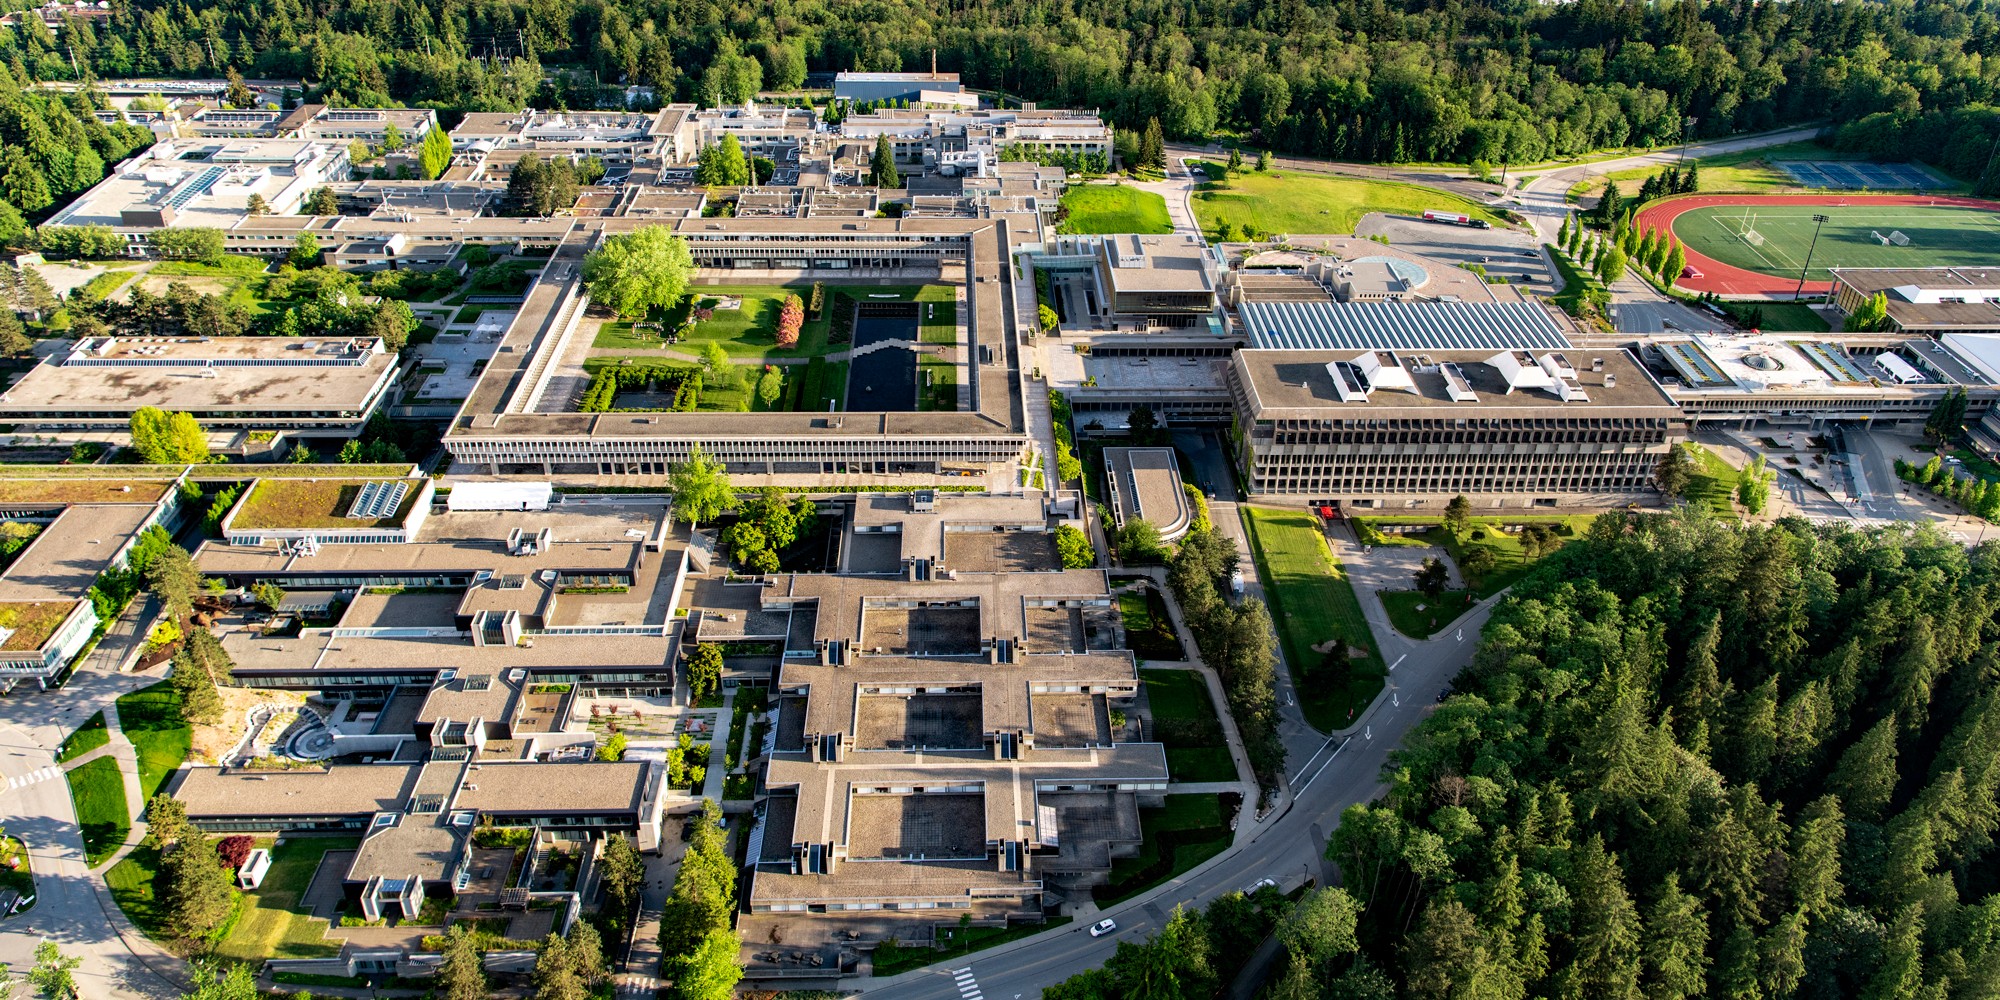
1729 280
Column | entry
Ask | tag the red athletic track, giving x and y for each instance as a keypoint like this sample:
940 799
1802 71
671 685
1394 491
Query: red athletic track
1727 280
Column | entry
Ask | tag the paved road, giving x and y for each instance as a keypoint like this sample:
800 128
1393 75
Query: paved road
1288 846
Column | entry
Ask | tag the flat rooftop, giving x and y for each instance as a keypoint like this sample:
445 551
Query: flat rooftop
64 559
1284 384
278 504
1401 326
343 389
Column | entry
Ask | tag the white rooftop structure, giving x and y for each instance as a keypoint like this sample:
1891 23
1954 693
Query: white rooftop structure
500 496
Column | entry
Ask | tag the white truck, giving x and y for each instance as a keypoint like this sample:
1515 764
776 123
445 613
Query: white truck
1236 583
1456 219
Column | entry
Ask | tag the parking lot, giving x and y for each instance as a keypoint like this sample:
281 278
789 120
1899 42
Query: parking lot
1512 254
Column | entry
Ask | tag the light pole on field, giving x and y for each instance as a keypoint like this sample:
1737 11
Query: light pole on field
1800 292
1687 125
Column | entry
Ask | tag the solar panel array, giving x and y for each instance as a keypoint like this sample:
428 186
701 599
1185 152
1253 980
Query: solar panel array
1832 359
1402 326
196 188
378 500
1694 366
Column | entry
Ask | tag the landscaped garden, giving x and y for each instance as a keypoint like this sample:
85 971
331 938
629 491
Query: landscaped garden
1506 560
743 319
1313 605
1184 721
267 922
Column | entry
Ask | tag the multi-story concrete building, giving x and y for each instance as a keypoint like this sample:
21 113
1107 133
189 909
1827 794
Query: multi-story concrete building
869 88
330 386
1510 427
970 142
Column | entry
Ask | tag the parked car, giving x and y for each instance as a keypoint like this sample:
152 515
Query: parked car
1262 883
1103 927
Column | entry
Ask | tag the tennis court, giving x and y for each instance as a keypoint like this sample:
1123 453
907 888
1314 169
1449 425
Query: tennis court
1858 176
1756 245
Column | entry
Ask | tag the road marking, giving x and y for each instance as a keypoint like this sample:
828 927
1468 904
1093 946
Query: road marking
39 774
1399 659
968 985
1315 775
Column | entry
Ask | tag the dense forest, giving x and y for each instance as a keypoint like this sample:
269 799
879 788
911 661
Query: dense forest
1360 79
1690 759
1693 760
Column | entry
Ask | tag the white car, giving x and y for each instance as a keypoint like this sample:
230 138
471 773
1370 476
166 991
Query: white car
1103 927
1262 883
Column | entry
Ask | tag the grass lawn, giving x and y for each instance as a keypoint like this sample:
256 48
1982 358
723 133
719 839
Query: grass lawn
99 791
267 923
1714 483
1114 208
939 383
896 959
1149 630
1510 561
94 734
131 884
750 332
151 718
1435 615
1184 720
1185 832
1292 201
1781 317
1312 602
233 265
939 322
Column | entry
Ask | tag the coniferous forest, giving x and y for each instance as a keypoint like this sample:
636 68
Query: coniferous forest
1695 760
1354 79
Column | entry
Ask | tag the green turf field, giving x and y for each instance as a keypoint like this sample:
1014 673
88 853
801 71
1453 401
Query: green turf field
1773 239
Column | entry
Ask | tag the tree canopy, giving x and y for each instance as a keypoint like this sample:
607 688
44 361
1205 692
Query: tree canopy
639 271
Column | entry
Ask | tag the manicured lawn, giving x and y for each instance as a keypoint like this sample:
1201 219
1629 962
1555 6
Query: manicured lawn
131 884
1421 616
99 791
1185 832
1149 630
749 332
1114 208
1311 603
1184 720
939 323
94 734
1510 561
151 718
1782 317
1292 201
1746 172
267 923
1714 483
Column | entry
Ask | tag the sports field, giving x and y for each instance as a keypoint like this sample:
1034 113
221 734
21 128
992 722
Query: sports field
1774 239
1746 245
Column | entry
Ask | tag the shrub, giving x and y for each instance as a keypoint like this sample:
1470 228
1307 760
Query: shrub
234 850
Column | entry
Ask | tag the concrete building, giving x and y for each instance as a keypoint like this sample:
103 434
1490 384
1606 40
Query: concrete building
205 183
83 528
370 125
1510 428
328 386
971 142
943 742
1925 300
868 88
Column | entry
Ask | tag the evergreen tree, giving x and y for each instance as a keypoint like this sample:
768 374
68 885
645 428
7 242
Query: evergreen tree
882 167
1866 775
1676 260
1154 146
195 891
462 974
1676 945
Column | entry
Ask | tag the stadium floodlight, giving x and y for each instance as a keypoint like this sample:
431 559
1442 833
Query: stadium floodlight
1818 221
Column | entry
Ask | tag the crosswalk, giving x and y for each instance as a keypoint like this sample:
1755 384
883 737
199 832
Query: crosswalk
638 986
968 985
39 774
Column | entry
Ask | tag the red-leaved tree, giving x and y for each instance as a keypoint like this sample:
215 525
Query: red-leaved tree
234 850
790 319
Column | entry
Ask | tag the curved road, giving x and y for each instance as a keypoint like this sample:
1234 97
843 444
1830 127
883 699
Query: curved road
1287 846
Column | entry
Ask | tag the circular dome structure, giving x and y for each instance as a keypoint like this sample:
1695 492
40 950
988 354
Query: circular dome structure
1762 362
1409 272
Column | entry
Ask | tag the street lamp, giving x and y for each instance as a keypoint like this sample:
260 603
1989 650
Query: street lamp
1800 292
1687 124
